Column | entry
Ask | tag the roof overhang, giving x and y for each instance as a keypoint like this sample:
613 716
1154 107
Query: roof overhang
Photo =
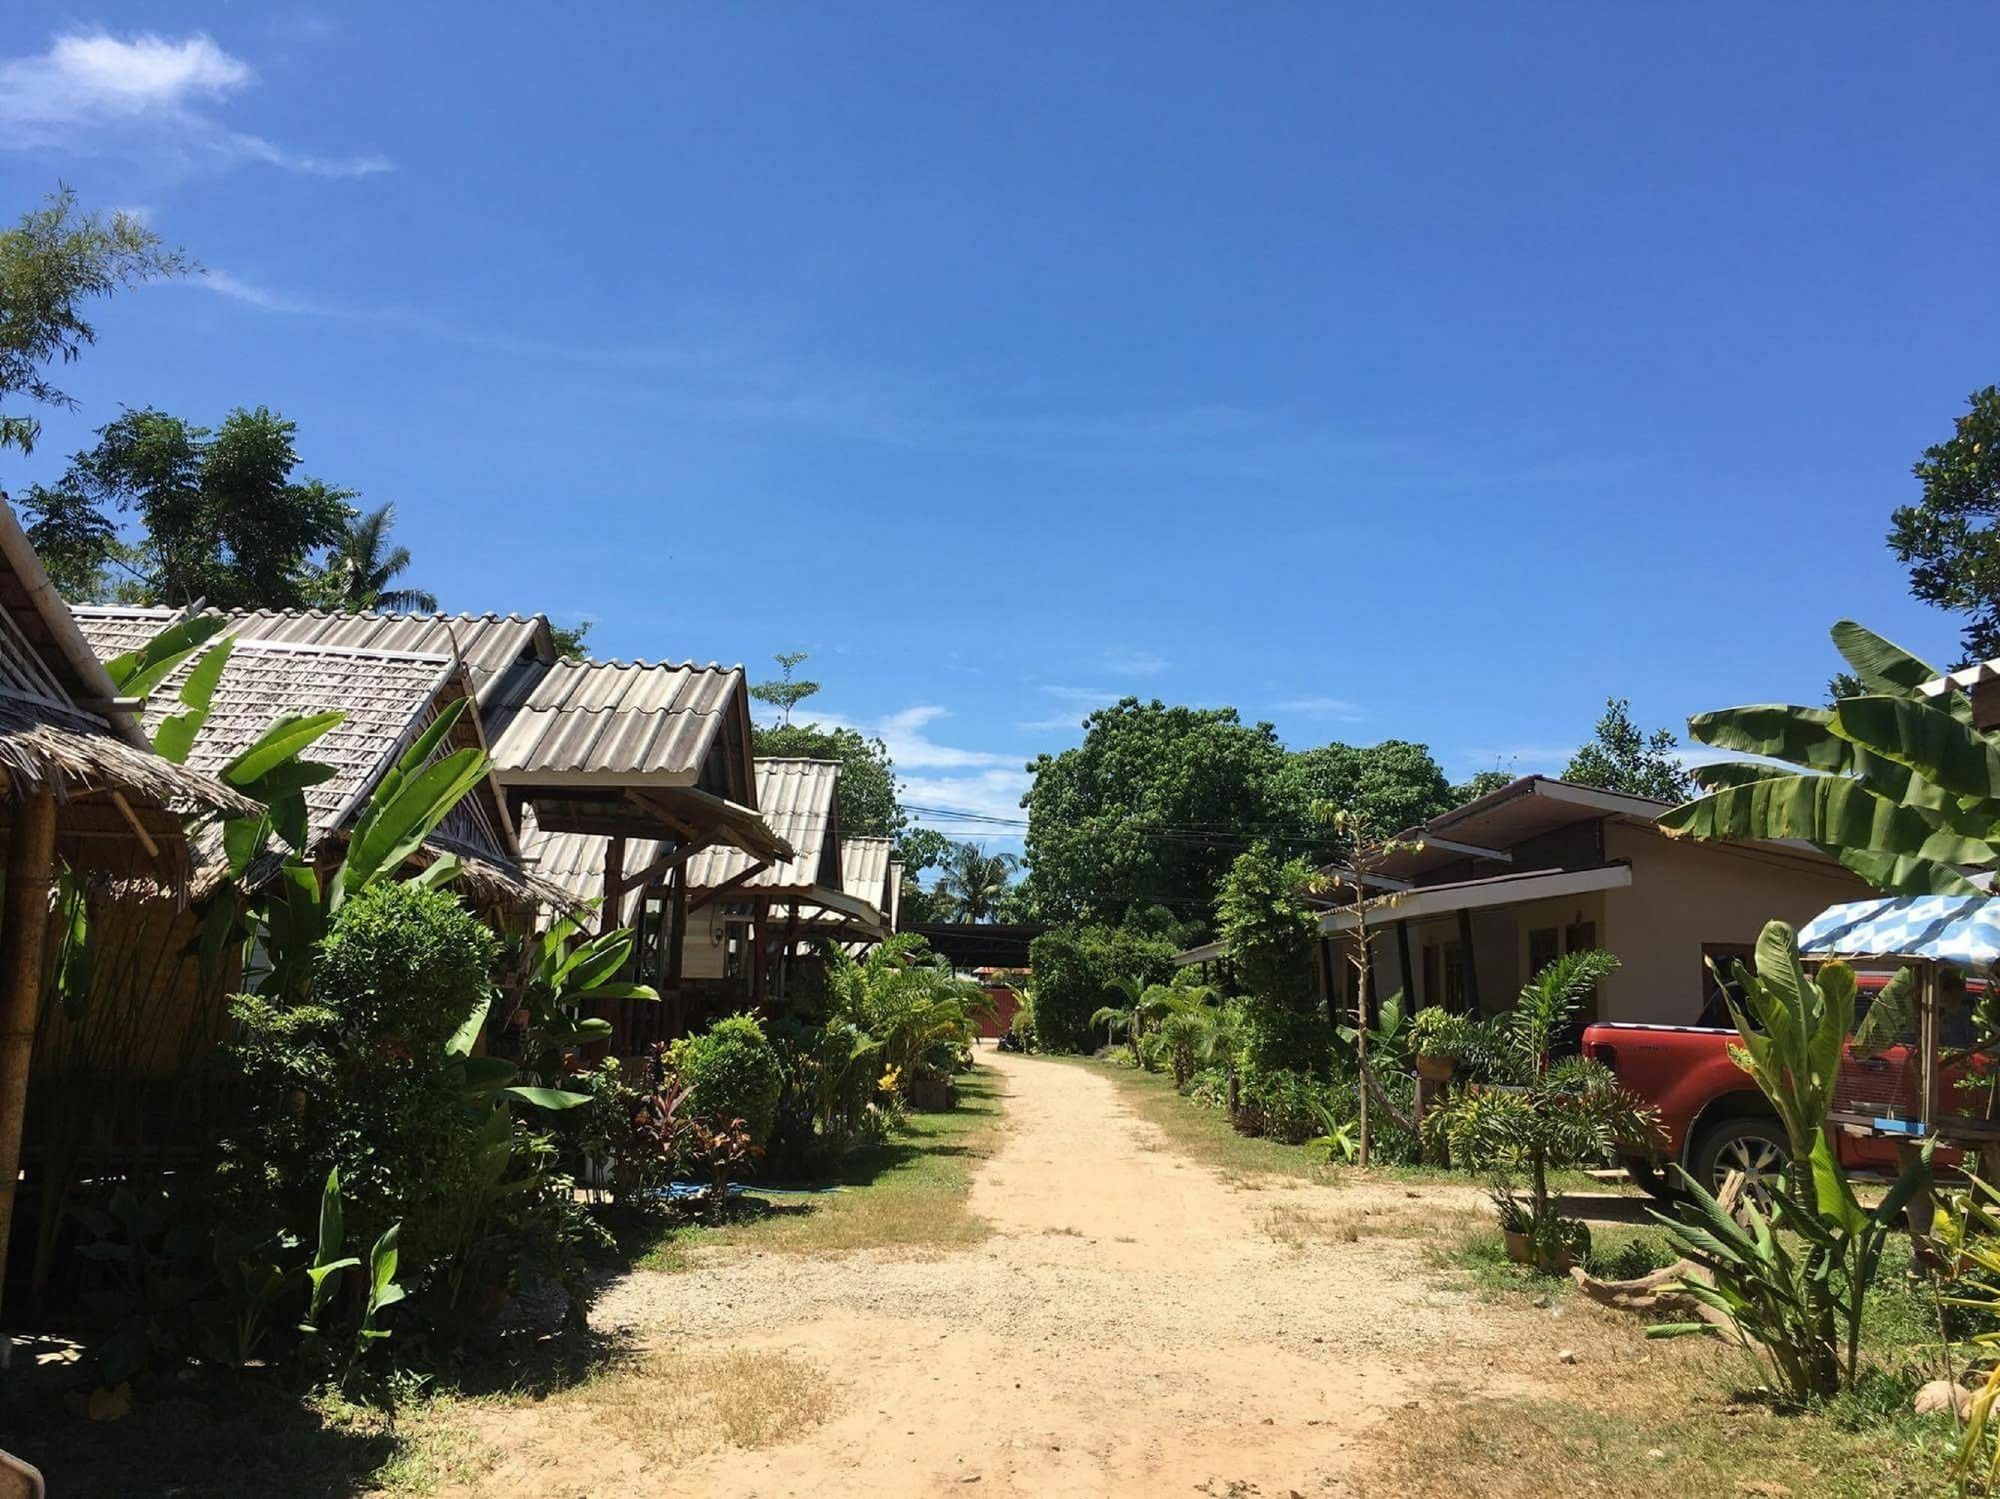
1208 952
1474 895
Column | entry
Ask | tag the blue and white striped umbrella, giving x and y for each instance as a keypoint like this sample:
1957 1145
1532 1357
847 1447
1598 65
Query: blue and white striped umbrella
1963 929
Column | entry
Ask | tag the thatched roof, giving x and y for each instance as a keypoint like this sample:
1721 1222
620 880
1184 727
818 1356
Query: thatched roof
63 730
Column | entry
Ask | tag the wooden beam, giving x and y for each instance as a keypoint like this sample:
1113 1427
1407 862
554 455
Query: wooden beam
24 926
1431 840
716 892
666 864
138 828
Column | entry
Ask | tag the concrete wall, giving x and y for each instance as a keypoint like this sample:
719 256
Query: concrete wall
1683 895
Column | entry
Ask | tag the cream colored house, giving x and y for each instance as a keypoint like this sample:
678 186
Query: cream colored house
1462 910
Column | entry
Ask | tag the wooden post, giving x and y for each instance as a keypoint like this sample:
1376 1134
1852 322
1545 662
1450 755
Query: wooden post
1471 961
24 926
791 947
760 953
614 882
1410 1000
677 912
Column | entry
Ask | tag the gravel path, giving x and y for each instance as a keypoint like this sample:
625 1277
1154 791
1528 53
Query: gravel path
1135 1325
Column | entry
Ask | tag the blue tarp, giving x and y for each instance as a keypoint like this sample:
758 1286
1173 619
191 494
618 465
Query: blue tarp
689 1191
1963 929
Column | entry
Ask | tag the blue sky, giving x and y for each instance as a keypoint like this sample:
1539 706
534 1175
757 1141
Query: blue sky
1414 370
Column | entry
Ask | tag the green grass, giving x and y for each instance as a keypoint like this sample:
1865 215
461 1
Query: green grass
906 1191
1205 1135
1642 1417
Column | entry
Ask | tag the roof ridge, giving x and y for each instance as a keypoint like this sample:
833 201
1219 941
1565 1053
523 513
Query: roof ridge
640 663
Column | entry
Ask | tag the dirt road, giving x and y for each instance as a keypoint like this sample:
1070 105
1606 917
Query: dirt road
1136 1325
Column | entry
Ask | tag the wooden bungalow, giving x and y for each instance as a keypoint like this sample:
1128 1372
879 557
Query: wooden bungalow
80 791
758 917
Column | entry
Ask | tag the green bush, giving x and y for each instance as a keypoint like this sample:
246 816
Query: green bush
1284 1104
732 1072
361 1079
1073 969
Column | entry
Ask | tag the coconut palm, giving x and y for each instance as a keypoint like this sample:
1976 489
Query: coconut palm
364 564
974 882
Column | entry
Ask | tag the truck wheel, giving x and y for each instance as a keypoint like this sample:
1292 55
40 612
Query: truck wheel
1759 1148
1648 1176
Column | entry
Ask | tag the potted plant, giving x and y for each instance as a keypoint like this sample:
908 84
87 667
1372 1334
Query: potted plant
1438 1038
1540 1112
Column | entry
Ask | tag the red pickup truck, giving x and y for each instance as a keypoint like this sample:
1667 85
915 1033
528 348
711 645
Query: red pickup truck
1716 1120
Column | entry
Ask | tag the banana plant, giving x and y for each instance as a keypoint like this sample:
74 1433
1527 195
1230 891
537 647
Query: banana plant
1791 1282
1903 790
572 970
1794 1032
487 1079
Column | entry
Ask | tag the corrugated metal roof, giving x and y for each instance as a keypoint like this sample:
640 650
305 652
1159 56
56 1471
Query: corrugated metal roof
796 798
574 862
614 720
864 869
492 646
385 695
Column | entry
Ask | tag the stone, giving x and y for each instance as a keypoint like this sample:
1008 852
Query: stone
1940 1396
1567 1356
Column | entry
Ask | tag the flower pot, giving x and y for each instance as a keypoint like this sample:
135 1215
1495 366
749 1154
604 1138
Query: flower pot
1518 1248
1436 1069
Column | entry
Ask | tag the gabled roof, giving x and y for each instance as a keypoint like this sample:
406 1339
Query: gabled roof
496 648
574 863
61 725
798 800
624 723
387 698
866 867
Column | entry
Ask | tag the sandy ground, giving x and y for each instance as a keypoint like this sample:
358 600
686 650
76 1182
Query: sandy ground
1136 1325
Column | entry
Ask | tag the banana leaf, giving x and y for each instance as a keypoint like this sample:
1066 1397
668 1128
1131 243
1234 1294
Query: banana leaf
1834 812
175 738
1883 666
137 673
1949 754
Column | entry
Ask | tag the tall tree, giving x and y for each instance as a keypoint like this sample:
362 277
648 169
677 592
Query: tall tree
1621 756
868 806
570 639
783 692
51 263
974 883
1948 538
1381 788
365 564
220 514
1150 809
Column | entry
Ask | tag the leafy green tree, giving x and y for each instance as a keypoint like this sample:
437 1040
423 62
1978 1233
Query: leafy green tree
569 639
1149 810
1269 932
51 263
1382 788
1621 756
868 806
1482 783
220 515
1948 539
974 883
785 692
364 565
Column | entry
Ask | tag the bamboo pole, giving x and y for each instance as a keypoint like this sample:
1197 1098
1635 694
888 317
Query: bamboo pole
23 929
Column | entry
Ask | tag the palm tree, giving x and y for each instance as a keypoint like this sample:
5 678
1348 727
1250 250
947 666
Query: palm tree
364 564
974 882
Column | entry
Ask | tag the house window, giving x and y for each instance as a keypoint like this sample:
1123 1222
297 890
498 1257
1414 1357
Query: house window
1721 957
1454 976
1581 936
1544 948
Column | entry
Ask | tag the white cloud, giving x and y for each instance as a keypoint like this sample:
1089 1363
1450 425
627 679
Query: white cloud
1322 707
988 793
263 298
92 90
911 747
1134 663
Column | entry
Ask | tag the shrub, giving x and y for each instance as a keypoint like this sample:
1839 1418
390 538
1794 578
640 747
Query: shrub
1286 1105
1023 1023
731 1071
364 1079
1269 933
1074 968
